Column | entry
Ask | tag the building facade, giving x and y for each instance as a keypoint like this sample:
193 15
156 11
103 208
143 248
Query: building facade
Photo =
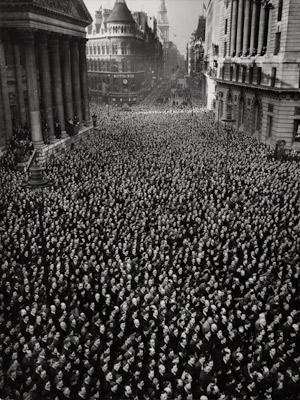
252 61
43 70
124 55
195 50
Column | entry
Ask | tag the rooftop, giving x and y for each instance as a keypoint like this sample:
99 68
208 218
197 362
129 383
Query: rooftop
120 13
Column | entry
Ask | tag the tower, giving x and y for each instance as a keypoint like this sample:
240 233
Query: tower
162 20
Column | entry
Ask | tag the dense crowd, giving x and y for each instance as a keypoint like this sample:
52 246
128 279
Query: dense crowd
168 279
21 144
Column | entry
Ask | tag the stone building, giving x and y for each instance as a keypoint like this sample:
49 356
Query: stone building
195 50
124 54
43 72
253 56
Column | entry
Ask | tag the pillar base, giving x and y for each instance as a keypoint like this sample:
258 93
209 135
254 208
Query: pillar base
39 145
53 139
64 134
88 122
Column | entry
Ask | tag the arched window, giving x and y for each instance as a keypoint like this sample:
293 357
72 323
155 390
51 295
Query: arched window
115 49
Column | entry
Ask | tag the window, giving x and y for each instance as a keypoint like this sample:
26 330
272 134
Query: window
103 49
280 5
231 72
225 49
297 111
297 130
244 74
98 48
251 75
107 49
273 77
124 66
115 49
221 108
269 126
123 50
277 43
237 73
270 108
258 75
223 72
226 26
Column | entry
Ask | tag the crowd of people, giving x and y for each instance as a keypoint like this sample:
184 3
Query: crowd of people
21 144
167 278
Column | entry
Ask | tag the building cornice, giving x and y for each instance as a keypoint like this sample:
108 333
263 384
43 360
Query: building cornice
275 90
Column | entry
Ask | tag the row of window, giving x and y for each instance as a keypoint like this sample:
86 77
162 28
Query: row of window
239 73
105 49
111 66
114 30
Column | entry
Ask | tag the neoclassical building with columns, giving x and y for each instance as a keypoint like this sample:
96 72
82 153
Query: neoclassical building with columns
43 67
253 56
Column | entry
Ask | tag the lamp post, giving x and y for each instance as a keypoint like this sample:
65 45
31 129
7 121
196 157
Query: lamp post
228 122
37 183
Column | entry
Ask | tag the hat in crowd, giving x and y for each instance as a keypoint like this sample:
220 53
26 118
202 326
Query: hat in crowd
205 327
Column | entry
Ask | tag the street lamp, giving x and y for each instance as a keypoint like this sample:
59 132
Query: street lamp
228 122
37 183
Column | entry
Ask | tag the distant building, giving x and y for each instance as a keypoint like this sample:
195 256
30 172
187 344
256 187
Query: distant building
173 61
124 55
195 50
252 57
163 21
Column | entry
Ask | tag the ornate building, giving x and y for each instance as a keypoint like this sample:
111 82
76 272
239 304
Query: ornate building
253 57
124 55
43 70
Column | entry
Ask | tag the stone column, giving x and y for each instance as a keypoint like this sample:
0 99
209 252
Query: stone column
76 78
5 105
262 28
84 81
32 89
239 39
233 26
253 27
66 74
19 76
45 82
246 27
57 83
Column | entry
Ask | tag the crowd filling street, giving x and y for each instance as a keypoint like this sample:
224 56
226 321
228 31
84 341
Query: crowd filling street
168 277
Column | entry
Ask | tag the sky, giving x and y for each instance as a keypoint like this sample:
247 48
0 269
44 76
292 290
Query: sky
183 15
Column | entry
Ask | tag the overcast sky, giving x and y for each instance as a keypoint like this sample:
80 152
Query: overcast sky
183 15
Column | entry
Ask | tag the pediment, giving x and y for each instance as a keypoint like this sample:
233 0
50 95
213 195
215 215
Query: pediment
74 9
67 10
